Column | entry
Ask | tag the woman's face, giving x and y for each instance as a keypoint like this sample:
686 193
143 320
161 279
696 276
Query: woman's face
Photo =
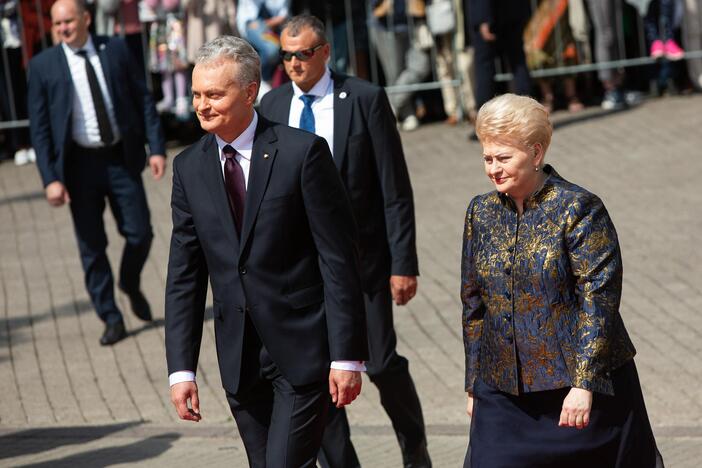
512 168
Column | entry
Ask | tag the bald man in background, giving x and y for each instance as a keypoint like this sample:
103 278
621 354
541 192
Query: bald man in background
90 115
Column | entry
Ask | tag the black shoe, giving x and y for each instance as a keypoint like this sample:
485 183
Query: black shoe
418 459
139 304
113 333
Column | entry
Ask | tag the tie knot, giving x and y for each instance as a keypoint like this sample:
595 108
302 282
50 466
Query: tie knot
83 53
228 151
308 99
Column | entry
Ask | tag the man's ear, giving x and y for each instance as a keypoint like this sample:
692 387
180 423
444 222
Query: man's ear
251 92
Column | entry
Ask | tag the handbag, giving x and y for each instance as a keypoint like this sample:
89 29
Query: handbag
441 17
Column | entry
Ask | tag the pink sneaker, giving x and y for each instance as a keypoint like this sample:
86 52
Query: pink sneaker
673 51
657 49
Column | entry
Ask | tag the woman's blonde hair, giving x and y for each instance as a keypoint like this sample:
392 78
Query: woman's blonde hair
515 120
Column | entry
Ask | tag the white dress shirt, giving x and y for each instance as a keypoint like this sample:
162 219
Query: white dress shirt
243 145
322 108
85 129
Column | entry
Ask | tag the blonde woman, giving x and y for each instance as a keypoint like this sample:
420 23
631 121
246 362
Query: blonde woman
550 374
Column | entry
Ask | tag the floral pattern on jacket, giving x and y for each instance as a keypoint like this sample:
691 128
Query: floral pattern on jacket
541 291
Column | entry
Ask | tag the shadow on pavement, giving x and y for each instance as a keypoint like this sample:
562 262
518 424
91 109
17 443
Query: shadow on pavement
23 197
33 441
565 120
131 453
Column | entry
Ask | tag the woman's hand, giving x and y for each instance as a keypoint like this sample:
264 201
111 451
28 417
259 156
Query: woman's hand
469 407
576 408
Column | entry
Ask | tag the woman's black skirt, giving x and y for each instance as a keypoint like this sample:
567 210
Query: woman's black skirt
510 431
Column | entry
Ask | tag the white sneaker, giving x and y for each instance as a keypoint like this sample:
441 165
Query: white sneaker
410 123
31 155
21 157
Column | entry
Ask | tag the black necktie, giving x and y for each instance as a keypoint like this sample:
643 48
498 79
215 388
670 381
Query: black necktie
104 125
236 185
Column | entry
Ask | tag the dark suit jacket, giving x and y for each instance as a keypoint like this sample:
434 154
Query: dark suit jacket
50 104
498 13
368 154
294 271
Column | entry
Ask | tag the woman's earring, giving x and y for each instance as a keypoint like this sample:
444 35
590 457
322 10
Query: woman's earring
536 169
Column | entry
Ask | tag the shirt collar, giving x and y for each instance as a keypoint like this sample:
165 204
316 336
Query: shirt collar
243 144
320 88
89 47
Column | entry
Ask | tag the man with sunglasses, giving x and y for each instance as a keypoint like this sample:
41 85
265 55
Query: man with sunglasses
356 120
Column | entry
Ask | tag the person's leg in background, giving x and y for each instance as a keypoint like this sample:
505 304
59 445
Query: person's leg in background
512 45
389 372
692 38
671 48
485 54
466 67
445 72
128 204
267 45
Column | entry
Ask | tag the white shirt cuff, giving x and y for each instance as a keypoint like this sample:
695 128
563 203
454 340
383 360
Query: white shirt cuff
358 366
181 376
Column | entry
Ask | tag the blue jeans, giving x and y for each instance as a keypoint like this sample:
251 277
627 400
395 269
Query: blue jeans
266 48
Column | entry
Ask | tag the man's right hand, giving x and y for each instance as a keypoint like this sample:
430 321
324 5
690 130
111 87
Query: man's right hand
181 394
57 194
486 34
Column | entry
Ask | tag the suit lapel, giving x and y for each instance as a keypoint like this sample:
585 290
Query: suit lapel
212 173
67 97
262 157
343 107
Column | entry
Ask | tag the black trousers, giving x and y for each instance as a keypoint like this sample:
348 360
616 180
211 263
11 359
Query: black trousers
390 373
509 44
281 425
522 431
92 176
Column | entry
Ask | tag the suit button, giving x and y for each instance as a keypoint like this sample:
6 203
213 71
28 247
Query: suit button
508 317
508 271
242 270
247 310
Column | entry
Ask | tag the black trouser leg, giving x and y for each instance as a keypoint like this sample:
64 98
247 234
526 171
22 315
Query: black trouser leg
280 425
390 373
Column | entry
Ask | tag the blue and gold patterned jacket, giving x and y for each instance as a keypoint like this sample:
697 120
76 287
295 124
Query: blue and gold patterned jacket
541 291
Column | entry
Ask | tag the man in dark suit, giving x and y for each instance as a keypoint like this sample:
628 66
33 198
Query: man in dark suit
496 29
89 115
356 120
259 208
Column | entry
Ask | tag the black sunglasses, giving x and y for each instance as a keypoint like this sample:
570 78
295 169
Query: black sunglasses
302 55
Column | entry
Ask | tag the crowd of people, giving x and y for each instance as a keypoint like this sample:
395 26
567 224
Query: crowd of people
392 42
296 210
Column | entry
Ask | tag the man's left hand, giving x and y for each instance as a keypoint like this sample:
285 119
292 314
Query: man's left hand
344 386
157 163
403 288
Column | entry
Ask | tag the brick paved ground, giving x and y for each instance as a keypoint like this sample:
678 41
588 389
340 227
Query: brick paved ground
66 401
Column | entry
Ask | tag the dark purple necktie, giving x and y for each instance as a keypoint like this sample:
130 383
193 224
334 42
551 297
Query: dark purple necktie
236 185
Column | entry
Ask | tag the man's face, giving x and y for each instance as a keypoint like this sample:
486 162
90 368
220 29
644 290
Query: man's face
222 105
305 73
69 24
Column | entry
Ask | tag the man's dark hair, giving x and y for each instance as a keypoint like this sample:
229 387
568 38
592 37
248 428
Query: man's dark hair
296 24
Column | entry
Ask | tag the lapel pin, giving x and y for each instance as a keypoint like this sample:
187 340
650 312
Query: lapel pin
102 46
266 156
342 95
